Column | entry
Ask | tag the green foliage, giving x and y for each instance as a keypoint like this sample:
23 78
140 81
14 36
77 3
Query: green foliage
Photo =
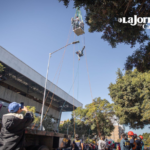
139 59
67 125
1 68
118 140
33 110
119 74
88 141
80 129
102 16
48 123
131 96
146 137
97 116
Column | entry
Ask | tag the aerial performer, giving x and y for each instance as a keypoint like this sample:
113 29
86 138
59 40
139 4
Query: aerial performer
80 53
77 23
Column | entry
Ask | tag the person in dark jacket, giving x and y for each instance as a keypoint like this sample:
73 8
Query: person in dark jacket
77 143
124 143
13 127
69 142
138 142
135 144
66 142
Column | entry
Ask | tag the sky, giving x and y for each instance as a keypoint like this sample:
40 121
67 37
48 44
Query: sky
32 29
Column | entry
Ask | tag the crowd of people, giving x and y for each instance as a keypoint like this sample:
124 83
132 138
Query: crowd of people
13 132
128 142
132 142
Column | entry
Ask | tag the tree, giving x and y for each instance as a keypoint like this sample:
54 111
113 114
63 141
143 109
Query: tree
49 123
131 97
1 68
63 127
118 140
139 59
146 138
102 16
68 127
33 110
97 115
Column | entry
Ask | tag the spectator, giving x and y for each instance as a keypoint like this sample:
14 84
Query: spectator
65 142
142 143
101 143
135 144
13 127
77 143
138 142
130 137
124 143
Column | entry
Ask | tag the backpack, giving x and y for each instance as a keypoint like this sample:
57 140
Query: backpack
65 142
135 145
127 144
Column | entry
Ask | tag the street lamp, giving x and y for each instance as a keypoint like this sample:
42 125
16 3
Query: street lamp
50 54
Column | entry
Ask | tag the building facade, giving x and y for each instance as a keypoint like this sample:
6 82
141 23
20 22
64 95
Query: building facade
118 130
20 83
62 122
116 134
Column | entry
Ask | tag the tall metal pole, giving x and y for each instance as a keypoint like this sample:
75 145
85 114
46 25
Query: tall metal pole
46 81
44 93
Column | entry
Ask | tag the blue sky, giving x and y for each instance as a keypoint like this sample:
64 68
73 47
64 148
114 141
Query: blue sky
32 29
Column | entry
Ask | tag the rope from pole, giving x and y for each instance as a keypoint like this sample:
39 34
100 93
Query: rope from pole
56 83
88 71
58 75
90 85
73 88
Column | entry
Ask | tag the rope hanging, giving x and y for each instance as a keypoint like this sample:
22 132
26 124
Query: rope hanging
78 13
57 79
56 83
71 87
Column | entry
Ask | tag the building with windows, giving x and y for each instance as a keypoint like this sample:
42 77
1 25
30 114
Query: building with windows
62 122
20 83
118 130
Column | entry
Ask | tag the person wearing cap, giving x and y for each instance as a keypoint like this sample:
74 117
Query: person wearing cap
13 127
125 143
130 138
142 143
77 143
